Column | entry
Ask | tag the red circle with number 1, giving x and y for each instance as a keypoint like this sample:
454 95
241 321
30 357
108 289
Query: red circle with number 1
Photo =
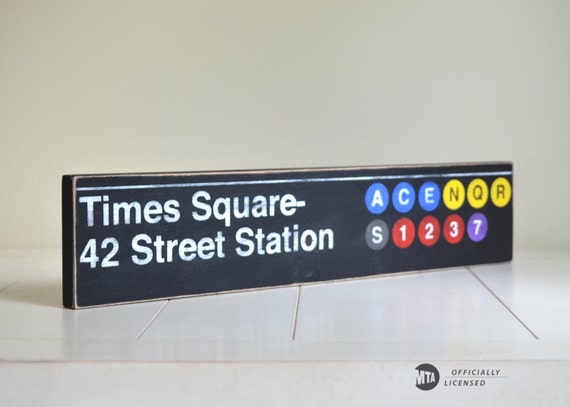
403 233
429 231
453 229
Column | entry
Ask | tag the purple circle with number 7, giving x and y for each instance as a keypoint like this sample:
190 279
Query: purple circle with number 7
477 227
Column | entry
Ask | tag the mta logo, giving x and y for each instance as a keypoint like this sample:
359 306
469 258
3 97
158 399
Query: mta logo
427 377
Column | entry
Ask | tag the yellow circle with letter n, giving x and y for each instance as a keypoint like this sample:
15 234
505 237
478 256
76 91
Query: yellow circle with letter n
454 194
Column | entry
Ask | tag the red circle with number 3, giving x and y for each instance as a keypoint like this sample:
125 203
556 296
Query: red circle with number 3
403 233
429 231
453 229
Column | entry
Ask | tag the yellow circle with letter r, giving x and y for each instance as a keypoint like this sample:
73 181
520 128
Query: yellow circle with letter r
501 192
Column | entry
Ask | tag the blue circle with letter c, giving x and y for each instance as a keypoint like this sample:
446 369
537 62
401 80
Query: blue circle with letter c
403 197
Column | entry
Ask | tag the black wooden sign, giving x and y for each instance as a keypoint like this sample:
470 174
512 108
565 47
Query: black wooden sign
140 237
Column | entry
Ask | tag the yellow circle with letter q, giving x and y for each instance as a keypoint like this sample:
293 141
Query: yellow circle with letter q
477 193
453 194
501 192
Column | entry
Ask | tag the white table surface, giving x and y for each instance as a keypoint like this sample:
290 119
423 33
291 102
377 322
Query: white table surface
351 342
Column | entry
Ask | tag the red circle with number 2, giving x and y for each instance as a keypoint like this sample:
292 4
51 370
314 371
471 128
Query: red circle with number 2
429 231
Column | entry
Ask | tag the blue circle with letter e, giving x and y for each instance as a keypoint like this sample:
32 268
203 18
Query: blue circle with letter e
377 198
403 197
429 196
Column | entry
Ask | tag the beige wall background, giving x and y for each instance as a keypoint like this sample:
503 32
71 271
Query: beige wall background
129 86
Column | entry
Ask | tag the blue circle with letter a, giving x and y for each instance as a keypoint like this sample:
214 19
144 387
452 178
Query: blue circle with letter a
377 198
